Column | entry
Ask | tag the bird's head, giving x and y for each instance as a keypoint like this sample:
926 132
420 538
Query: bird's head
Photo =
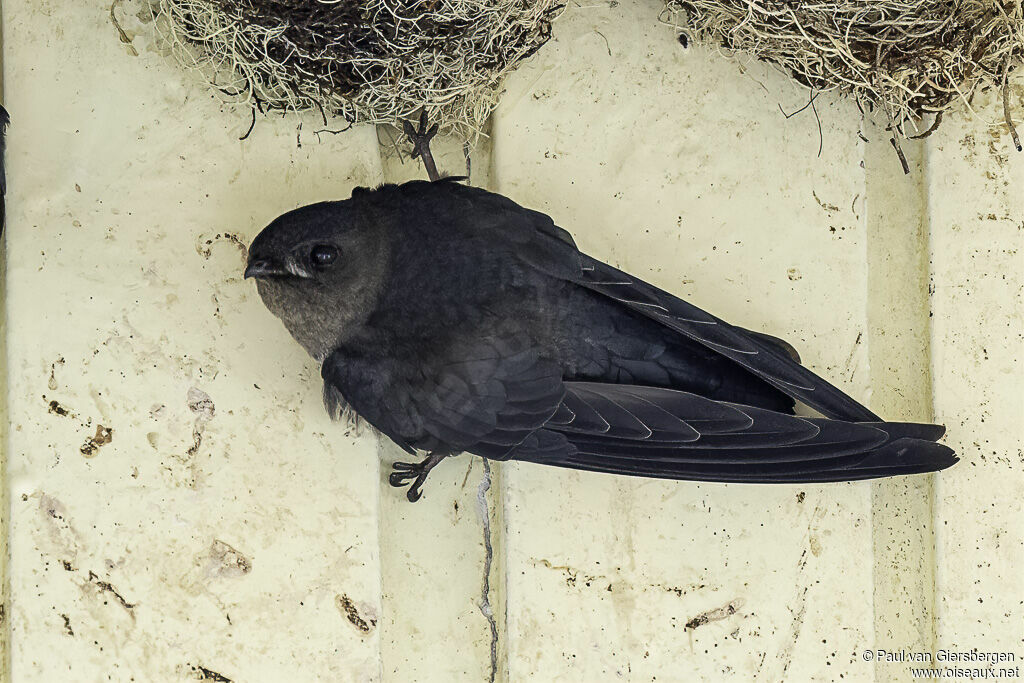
320 269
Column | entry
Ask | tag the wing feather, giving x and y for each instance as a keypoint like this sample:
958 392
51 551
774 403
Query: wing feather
664 433
765 359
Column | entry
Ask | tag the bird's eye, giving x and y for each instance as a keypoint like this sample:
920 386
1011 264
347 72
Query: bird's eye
324 255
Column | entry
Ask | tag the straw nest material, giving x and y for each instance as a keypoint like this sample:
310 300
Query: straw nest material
909 58
368 61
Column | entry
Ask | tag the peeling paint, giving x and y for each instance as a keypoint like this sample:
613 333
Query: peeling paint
717 614
57 409
205 674
224 561
106 587
93 444
348 608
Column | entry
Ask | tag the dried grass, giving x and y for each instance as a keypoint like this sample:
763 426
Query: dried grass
909 58
377 61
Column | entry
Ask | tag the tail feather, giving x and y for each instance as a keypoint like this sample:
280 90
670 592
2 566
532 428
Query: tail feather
671 434
900 457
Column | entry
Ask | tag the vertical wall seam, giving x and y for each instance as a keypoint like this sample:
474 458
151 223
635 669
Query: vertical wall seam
484 509
469 562
933 479
378 513
500 504
5 497
899 351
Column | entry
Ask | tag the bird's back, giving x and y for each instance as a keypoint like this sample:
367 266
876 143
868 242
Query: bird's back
461 265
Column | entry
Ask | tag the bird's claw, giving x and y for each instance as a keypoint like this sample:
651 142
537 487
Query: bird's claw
420 140
404 472
407 473
413 474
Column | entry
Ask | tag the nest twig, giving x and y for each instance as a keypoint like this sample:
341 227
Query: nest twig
368 61
911 58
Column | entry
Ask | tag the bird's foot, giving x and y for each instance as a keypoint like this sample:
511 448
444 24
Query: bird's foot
404 473
420 140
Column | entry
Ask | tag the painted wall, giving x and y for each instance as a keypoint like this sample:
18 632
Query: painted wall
181 508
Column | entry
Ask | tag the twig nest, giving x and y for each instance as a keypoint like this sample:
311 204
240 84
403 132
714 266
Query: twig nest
370 62
909 58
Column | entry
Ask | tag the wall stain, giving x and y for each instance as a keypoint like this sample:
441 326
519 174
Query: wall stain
63 535
57 409
717 614
348 608
226 561
202 406
572 575
678 590
200 403
851 366
52 382
197 441
204 247
831 208
67 625
801 609
575 578
93 444
106 587
205 674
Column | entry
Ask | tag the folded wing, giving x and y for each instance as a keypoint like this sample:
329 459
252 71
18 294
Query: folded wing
670 434
765 359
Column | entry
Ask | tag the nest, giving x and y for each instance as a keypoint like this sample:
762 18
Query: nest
367 61
909 58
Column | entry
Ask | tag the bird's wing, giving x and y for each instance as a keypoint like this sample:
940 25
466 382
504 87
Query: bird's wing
486 395
671 434
535 240
763 358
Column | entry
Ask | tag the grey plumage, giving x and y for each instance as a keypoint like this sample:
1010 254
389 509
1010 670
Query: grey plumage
454 320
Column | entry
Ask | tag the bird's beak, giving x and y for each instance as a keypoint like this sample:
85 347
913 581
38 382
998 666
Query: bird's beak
264 268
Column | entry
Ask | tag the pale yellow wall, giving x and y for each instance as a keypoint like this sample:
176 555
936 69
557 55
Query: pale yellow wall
231 530
259 552
976 211
4 517
899 361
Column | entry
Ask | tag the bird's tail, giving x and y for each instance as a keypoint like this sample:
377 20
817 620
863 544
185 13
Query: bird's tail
909 449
